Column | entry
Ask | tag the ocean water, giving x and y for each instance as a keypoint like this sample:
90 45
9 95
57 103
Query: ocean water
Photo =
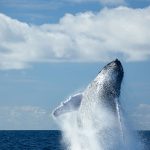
44 140
30 140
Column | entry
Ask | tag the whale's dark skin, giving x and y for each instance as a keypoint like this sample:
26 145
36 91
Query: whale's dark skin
111 87
104 89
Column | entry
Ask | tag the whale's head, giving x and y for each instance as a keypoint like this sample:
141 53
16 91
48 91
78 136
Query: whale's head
113 71
109 81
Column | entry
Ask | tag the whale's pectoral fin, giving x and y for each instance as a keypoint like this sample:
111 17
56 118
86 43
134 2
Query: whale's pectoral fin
71 104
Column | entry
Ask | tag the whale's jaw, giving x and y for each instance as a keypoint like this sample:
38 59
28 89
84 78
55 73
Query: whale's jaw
112 75
110 79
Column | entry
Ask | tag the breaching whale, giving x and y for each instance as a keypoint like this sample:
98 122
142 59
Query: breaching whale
92 119
104 89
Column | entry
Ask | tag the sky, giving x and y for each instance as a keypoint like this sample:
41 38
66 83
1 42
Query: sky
51 49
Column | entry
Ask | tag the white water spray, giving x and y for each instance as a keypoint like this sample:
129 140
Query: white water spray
118 111
102 130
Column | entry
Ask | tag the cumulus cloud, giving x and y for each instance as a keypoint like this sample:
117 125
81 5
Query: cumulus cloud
141 116
24 117
85 37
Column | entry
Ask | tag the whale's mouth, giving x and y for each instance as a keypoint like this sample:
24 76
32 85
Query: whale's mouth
116 65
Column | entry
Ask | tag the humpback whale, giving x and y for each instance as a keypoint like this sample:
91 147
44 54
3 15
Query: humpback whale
92 119
105 89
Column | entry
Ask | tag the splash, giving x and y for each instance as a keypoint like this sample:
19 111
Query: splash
101 130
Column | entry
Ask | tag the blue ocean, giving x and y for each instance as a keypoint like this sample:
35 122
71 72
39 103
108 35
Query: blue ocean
44 140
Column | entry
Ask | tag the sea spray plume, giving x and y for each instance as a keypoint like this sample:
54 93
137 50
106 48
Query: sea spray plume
92 120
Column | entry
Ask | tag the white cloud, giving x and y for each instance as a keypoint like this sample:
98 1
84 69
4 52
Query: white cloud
141 116
85 37
24 117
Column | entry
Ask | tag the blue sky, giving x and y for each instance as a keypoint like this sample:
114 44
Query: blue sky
51 49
